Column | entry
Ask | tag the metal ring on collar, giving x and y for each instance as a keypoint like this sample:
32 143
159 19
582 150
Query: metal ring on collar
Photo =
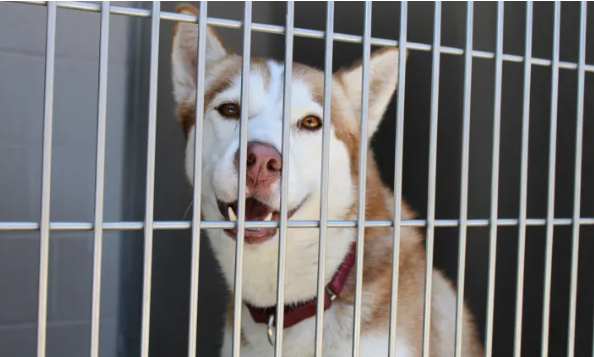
270 330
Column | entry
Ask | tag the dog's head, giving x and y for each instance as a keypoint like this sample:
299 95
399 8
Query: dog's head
220 145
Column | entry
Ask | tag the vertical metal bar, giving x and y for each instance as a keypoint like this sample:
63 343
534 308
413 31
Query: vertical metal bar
325 174
197 184
577 185
523 182
46 175
243 127
362 179
494 181
100 178
150 180
551 192
432 177
402 54
282 234
464 180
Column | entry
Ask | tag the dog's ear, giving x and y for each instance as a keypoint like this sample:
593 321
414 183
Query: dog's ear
184 55
383 78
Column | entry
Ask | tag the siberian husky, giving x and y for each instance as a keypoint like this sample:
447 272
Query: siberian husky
220 143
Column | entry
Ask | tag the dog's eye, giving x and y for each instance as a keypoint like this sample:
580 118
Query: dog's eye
229 110
310 122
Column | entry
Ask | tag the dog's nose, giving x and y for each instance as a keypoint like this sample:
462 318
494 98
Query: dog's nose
264 164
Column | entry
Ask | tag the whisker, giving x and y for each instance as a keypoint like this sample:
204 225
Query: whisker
187 210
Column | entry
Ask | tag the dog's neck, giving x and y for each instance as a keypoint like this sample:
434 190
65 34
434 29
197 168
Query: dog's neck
295 313
301 267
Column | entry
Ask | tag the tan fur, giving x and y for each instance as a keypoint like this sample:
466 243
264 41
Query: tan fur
379 205
377 261
378 247
188 9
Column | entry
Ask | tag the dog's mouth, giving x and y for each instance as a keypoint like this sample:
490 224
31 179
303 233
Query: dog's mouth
254 211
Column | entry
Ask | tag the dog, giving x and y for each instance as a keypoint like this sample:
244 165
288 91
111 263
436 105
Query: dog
219 170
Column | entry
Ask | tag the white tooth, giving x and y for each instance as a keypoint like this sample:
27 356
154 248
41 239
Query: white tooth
232 215
269 217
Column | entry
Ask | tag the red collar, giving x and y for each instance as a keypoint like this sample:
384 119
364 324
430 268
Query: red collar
295 313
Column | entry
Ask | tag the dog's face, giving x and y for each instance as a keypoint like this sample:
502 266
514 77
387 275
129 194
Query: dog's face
220 145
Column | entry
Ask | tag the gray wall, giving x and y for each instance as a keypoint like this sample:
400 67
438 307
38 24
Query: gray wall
22 56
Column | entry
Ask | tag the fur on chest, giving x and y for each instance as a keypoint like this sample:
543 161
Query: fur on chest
299 340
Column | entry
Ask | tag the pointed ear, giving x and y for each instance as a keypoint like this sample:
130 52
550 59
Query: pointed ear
185 53
383 78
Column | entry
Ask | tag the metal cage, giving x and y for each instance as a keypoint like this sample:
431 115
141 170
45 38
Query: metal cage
493 222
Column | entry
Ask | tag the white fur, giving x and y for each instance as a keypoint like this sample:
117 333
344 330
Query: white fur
220 142
298 341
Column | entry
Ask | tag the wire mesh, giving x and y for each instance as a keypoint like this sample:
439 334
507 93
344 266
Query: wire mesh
148 225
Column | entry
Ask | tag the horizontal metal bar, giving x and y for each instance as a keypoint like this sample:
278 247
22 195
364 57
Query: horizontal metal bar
300 32
179 225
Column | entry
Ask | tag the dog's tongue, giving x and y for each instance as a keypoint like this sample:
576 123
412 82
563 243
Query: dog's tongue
255 211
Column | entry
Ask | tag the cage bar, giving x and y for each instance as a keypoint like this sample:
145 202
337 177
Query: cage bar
299 32
150 181
243 126
282 233
494 182
523 221
321 288
362 180
100 177
464 179
551 189
197 180
181 225
577 185
430 231
45 226
399 148
46 175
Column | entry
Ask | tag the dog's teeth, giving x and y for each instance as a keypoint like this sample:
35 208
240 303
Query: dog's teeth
269 217
232 215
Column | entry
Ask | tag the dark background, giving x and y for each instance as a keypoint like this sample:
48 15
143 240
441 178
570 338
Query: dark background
171 271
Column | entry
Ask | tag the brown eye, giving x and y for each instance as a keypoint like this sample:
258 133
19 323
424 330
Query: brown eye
311 122
229 110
